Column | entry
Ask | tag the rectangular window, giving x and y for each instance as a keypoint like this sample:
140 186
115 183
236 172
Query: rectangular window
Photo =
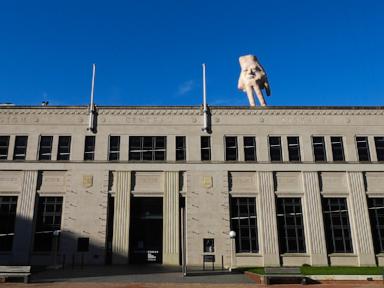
205 148
376 214
337 148
363 148
48 221
45 149
181 154
294 149
147 148
275 149
249 148
319 148
89 148
379 143
114 148
290 225
64 148
244 223
230 148
7 221
336 223
20 150
4 144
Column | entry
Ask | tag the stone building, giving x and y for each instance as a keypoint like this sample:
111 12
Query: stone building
297 184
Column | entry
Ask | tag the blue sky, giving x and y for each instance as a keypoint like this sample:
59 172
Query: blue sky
150 52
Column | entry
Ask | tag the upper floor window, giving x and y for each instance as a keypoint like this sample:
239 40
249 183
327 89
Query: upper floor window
319 148
147 148
363 148
114 148
20 151
275 148
379 143
181 149
337 148
4 144
89 148
294 148
205 148
230 148
45 149
249 148
64 148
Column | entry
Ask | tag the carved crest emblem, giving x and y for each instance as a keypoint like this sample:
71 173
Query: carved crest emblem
87 181
207 182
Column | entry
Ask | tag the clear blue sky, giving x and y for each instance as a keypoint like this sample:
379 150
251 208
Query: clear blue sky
325 52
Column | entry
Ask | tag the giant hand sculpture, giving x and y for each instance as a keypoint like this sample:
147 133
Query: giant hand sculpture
253 78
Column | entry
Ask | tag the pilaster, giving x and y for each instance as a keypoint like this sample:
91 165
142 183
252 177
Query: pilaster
267 223
22 244
361 228
313 216
171 248
120 241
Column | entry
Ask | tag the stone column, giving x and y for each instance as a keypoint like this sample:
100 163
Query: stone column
267 220
361 228
171 229
313 219
120 241
22 243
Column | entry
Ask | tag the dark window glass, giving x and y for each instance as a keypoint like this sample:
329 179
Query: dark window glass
180 148
379 143
336 223
64 148
89 148
363 148
4 144
114 148
275 148
7 221
337 148
45 149
294 148
249 148
244 223
230 148
319 148
205 145
147 148
290 225
376 214
20 150
48 220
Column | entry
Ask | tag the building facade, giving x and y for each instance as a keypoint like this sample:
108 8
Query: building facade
298 185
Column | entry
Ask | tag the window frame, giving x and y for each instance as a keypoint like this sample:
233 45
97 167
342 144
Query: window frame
234 148
59 154
115 152
376 228
367 147
5 147
298 148
270 148
324 148
14 157
45 150
253 147
9 221
208 148
381 157
89 152
182 149
143 151
334 149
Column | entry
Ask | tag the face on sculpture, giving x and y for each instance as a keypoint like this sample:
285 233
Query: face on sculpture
252 72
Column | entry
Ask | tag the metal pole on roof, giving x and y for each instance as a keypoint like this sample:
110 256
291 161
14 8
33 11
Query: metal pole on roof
205 108
91 124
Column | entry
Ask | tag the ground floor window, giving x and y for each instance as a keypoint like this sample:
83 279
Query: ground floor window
48 221
244 223
7 221
376 214
337 227
290 225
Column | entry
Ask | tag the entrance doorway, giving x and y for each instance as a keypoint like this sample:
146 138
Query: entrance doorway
146 231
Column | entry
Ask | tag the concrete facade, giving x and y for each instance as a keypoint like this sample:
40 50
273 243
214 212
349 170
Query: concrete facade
205 186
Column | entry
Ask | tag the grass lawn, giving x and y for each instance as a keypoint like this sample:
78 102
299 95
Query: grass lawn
336 270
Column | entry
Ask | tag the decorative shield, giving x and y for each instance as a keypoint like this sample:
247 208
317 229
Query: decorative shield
207 182
87 181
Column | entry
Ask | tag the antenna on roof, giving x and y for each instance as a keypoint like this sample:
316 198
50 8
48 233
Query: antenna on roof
205 107
92 110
